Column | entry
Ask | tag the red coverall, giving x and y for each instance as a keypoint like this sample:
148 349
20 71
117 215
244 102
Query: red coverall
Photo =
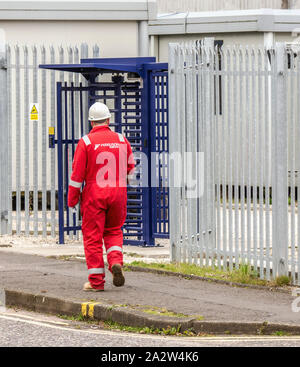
102 160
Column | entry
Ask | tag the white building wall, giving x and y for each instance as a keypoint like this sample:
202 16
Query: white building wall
284 37
166 6
115 38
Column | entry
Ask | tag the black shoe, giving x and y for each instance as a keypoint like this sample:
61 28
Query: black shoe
118 275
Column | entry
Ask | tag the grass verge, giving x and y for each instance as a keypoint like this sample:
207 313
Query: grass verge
152 310
171 331
111 325
243 275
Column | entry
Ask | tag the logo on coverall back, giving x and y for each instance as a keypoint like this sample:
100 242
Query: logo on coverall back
109 145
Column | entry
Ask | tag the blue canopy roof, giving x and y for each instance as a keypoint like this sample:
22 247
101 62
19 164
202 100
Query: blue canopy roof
109 65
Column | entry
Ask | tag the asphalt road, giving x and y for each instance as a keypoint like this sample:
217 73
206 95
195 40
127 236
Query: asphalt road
28 329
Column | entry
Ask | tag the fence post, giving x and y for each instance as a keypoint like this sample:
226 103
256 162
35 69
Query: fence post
209 159
174 144
280 165
4 144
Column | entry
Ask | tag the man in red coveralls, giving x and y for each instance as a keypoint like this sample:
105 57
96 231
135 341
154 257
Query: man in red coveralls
103 160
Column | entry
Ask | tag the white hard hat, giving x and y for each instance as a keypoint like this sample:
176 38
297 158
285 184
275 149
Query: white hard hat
99 111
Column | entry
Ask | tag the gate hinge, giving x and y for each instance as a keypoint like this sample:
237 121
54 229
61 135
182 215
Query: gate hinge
282 261
3 64
51 137
4 215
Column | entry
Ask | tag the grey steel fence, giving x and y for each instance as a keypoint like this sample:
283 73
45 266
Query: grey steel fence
28 202
238 107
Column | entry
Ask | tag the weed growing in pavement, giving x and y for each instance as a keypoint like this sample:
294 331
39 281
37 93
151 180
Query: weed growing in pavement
283 280
262 329
162 312
111 325
170 331
281 333
78 317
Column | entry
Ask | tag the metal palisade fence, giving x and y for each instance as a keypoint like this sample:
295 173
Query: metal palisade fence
234 157
28 202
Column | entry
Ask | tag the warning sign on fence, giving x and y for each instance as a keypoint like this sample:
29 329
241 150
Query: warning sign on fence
34 112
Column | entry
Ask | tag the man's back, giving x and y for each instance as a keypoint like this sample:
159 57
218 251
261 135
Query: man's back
103 158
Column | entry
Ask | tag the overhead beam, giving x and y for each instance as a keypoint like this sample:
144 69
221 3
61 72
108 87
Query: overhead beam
76 10
261 20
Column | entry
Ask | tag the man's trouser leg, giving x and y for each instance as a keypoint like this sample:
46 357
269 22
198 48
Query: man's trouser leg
113 235
113 239
93 222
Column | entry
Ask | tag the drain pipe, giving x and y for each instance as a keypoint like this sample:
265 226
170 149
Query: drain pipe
143 38
4 138
285 4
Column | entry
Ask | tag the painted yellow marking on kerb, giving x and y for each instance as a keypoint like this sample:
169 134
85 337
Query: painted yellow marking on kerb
91 310
87 309
84 308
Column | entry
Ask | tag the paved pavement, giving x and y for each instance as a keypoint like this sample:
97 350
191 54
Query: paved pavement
27 329
49 247
214 302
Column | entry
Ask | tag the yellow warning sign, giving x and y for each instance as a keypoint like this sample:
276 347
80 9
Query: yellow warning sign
34 112
51 130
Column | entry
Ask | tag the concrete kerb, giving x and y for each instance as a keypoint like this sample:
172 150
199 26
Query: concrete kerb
244 328
135 318
40 303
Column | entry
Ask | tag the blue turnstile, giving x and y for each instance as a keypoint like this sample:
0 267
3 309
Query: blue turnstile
136 91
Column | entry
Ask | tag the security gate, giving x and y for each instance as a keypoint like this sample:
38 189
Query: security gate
160 145
192 145
135 90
